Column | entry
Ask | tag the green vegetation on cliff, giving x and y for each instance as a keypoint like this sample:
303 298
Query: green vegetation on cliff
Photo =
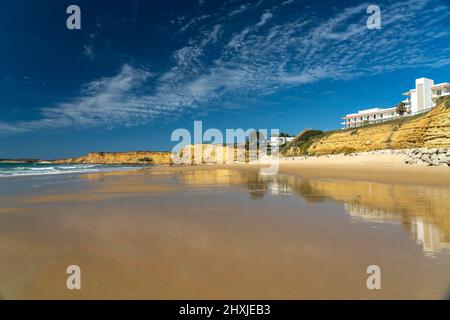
301 144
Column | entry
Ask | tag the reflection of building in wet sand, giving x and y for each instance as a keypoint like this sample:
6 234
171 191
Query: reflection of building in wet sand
425 234
380 215
423 211
279 189
429 236
258 186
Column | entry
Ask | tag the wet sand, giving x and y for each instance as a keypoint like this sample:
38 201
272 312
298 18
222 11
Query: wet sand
226 232
383 173
387 171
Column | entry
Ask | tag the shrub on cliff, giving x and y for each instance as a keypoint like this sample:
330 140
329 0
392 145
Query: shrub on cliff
444 100
146 160
300 145
345 150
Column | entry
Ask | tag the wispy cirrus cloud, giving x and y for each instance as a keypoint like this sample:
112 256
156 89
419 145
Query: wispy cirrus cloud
267 55
239 10
103 101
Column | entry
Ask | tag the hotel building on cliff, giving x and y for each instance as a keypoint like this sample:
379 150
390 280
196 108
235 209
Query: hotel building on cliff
418 100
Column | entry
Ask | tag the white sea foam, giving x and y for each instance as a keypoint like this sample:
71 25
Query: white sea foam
14 170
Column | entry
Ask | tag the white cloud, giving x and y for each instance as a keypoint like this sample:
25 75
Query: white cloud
9 128
264 18
239 10
287 2
107 101
216 65
244 8
89 51
194 21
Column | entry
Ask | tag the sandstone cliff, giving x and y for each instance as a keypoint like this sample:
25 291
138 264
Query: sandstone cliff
127 158
210 154
430 130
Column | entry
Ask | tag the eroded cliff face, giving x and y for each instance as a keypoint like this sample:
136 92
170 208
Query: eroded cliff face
127 158
217 154
431 130
210 154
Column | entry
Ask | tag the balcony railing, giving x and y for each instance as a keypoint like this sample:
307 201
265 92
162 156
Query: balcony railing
360 123
443 94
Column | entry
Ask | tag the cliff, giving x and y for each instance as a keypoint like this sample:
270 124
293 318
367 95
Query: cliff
127 158
210 153
19 161
430 130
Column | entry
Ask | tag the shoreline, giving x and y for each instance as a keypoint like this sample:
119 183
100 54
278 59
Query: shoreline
379 173
212 218
382 167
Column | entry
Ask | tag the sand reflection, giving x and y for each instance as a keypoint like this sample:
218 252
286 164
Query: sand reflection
423 211
224 234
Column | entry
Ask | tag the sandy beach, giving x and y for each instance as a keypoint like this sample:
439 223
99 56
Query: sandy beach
375 171
384 168
226 232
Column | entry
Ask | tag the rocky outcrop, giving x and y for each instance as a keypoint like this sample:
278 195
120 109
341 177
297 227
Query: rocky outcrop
124 158
430 130
19 161
429 157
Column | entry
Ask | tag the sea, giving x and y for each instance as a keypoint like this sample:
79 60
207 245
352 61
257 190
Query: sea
38 169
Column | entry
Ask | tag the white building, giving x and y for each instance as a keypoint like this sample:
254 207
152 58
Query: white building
421 99
368 116
278 141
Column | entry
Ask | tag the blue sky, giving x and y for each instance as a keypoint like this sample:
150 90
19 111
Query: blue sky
139 69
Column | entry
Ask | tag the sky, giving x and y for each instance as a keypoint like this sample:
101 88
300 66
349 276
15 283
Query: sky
138 70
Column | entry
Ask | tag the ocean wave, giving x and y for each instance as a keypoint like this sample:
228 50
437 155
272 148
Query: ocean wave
35 169
45 169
